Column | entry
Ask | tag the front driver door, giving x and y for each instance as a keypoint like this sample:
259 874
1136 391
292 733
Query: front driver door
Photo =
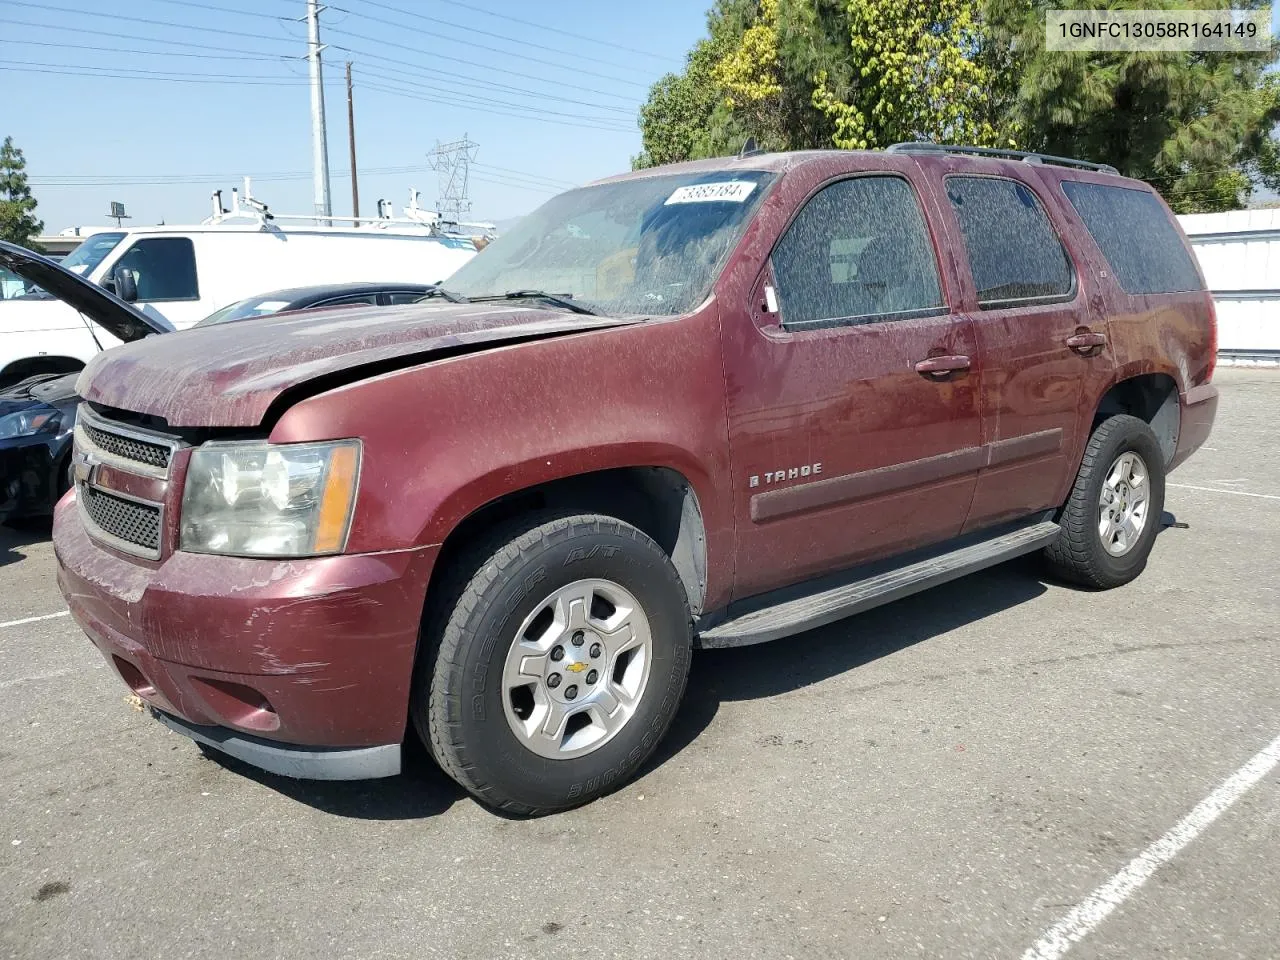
853 422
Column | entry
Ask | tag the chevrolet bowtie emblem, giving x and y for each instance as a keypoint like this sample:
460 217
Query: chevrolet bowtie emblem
575 667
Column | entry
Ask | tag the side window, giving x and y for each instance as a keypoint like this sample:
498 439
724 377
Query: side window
163 267
348 301
404 296
1133 232
858 252
1014 254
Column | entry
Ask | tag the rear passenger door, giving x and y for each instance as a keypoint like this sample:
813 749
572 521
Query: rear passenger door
1035 323
854 429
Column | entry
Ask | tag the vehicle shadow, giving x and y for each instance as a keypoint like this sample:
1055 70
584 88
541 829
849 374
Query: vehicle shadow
20 534
716 677
420 791
770 669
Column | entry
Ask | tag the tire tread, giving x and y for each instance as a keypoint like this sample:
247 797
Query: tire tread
1075 555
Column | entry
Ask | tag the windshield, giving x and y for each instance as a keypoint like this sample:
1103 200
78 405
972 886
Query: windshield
244 309
84 258
646 246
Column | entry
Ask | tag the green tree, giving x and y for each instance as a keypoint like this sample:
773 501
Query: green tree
18 223
918 75
1197 126
686 116
799 74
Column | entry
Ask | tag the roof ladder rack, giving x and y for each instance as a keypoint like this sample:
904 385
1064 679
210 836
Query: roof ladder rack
1024 156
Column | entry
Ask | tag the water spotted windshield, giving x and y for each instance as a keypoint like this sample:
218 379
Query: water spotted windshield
650 246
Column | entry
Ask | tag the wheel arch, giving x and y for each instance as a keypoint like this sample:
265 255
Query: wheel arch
1151 397
661 501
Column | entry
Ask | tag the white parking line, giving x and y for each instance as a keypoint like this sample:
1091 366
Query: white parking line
1077 924
1238 493
47 616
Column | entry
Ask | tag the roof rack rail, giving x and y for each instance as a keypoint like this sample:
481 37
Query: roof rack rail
1024 156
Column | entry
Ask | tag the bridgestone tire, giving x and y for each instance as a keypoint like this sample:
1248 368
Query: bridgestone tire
1079 555
457 705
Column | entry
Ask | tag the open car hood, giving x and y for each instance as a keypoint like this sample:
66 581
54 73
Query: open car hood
231 374
120 319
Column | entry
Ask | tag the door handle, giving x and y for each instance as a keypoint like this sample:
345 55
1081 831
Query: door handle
939 368
1086 341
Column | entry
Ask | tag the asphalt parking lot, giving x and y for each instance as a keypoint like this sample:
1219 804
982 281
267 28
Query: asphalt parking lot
950 776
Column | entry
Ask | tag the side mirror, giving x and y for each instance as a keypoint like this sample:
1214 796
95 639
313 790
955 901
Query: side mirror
126 288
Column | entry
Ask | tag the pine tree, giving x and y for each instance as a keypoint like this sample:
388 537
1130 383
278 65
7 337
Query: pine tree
1197 126
18 223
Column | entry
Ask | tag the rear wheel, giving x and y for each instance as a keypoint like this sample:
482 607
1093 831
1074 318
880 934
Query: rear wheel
1110 521
555 663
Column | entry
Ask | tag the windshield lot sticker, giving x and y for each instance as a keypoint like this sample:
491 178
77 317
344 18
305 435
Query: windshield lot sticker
725 191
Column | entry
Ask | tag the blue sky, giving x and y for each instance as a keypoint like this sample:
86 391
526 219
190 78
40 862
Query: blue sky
547 109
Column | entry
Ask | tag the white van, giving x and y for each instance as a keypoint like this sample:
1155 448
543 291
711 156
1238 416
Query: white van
179 275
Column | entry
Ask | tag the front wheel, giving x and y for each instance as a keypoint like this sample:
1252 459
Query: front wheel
557 666
1109 522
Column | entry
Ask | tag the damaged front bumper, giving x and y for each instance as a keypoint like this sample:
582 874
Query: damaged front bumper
301 667
289 760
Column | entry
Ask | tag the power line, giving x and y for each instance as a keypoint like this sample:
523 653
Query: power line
471 7
158 180
551 180
223 10
401 65
394 73
61 45
267 80
126 19
153 75
418 85
350 50
418 51
550 63
400 61
484 33
132 36
410 94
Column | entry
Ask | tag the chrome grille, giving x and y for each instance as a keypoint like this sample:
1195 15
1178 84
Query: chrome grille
134 523
128 448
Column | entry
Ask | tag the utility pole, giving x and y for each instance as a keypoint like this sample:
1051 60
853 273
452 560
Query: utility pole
319 142
351 140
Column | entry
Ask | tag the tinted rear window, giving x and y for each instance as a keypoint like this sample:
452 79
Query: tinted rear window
1014 253
1134 233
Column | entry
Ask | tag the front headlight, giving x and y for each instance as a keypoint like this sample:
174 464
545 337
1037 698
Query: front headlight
266 500
27 423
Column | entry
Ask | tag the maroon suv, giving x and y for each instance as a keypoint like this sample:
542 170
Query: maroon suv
714 403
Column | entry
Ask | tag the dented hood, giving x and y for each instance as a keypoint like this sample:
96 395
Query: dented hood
228 375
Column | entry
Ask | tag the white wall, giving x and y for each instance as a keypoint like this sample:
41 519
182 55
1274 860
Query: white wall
1239 253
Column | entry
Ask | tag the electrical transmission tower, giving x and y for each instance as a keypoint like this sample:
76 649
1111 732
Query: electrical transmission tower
452 163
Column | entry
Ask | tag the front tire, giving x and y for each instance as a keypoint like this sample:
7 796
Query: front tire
1110 521
554 664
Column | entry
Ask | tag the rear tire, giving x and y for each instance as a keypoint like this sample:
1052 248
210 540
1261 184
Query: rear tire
1110 521
553 663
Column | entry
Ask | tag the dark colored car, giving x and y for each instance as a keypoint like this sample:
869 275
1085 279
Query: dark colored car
714 403
36 420
37 416
307 298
